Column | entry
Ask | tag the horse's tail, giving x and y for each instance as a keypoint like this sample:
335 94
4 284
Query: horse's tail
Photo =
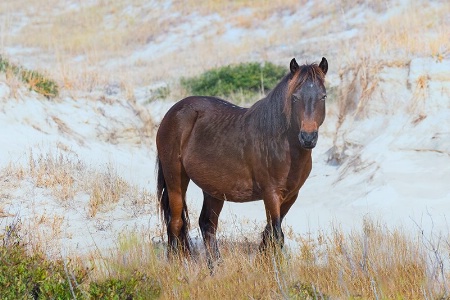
164 207
161 193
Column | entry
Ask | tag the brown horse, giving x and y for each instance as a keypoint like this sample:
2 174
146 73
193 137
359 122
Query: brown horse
239 154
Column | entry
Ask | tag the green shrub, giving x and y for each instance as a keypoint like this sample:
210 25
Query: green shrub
159 93
247 80
137 286
35 80
25 276
34 276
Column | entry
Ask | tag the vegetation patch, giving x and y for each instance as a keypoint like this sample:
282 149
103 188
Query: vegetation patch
26 274
243 82
372 263
35 80
137 286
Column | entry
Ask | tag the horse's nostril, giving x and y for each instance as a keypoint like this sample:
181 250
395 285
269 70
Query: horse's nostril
303 135
308 137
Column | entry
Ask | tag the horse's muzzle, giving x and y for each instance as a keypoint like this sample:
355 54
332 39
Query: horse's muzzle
308 140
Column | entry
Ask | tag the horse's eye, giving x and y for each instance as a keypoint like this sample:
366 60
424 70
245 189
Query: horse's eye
324 97
296 98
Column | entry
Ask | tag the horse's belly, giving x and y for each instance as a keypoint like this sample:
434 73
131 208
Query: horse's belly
235 195
232 195
230 184
236 190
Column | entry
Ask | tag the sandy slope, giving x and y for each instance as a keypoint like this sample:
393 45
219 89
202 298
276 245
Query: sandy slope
393 152
101 133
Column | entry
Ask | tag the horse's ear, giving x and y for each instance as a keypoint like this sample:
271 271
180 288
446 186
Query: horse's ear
294 66
324 65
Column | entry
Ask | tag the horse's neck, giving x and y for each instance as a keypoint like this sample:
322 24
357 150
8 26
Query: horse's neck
266 115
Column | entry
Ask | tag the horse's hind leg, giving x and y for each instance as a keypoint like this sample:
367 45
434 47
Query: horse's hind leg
178 225
209 218
171 138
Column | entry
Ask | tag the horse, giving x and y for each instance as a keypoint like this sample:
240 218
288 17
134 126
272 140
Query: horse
239 154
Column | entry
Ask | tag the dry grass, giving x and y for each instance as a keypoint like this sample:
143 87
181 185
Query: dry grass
235 11
376 263
373 263
107 190
65 177
86 46
48 187
420 30
56 173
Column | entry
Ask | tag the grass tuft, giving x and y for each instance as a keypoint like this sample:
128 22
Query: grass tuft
107 190
35 80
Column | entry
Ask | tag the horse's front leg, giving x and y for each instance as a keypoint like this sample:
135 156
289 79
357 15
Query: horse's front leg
208 221
272 235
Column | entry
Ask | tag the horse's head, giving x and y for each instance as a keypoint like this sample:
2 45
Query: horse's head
306 100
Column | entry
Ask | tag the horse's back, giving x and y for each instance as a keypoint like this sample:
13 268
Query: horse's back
205 104
201 112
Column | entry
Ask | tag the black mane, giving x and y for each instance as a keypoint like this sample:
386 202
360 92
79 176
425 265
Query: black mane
271 115
266 115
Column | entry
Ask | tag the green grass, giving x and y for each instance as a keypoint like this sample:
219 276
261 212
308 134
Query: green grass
35 80
243 81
